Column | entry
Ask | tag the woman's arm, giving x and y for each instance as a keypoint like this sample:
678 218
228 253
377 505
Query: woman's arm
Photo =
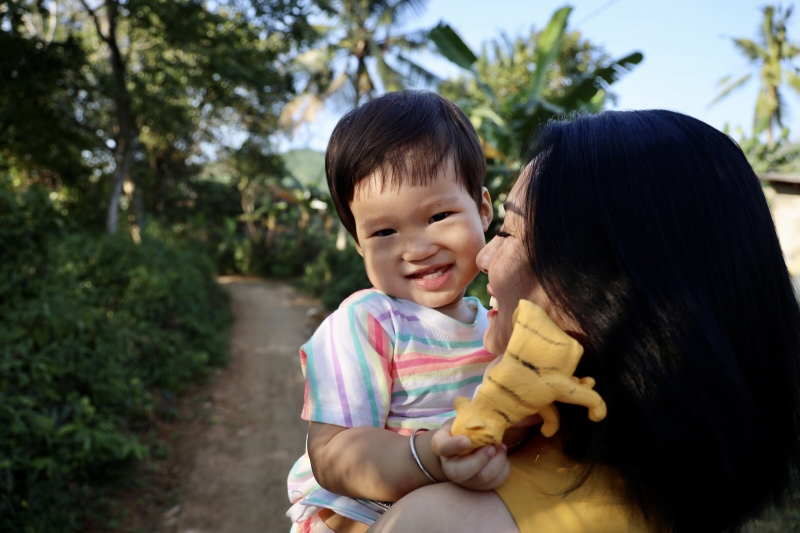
444 508
375 463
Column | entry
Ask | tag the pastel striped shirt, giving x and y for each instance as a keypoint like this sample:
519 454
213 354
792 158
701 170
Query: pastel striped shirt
383 362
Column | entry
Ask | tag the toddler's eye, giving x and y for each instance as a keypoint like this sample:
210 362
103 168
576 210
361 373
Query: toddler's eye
384 233
439 216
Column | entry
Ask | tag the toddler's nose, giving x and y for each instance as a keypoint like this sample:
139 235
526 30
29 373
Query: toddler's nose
419 247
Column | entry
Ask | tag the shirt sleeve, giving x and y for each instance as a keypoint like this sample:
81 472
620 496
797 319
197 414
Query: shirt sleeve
347 366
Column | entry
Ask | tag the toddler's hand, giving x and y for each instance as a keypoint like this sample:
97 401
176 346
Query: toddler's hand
484 469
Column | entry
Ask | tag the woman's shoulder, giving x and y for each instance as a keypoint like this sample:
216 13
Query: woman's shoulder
541 493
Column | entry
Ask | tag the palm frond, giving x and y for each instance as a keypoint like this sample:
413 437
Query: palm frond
452 47
750 49
337 84
390 78
408 42
547 47
780 107
730 87
793 80
399 13
766 24
416 74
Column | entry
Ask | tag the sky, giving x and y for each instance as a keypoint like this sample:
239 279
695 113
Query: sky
686 45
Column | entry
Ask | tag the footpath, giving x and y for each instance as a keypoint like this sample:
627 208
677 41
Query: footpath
236 482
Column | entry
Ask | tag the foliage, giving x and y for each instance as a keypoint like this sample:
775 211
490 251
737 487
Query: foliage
519 86
89 328
335 275
782 157
505 65
773 57
139 84
358 38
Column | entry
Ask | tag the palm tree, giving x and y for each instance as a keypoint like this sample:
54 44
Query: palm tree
358 40
519 86
773 57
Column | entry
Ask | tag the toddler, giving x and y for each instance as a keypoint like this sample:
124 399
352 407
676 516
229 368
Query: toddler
405 172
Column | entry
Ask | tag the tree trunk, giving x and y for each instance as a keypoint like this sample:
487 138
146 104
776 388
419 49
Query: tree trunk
127 132
122 168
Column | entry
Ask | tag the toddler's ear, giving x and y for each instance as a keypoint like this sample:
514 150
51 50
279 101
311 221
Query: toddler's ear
360 252
486 210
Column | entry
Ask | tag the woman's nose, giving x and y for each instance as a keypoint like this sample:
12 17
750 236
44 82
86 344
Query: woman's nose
485 257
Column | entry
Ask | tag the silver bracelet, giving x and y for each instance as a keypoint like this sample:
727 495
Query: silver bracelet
416 457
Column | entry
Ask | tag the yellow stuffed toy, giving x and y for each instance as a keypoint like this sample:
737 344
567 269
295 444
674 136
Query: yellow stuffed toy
535 371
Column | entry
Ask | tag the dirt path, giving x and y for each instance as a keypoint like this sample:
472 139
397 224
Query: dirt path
237 481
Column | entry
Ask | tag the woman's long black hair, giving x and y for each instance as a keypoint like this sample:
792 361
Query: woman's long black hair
650 229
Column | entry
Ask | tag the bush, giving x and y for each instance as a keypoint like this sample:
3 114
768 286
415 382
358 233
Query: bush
335 275
89 327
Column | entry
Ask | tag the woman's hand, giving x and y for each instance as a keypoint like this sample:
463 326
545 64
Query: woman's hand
484 469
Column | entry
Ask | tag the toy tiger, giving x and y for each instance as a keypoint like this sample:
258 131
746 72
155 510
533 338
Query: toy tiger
535 371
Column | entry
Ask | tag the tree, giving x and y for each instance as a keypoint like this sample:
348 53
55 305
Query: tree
43 128
773 57
521 85
153 80
359 39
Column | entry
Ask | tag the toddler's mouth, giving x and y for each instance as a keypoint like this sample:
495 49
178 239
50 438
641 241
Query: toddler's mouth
431 273
434 278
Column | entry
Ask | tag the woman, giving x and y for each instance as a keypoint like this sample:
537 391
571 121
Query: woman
646 236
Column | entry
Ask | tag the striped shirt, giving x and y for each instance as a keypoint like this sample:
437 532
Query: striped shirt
383 362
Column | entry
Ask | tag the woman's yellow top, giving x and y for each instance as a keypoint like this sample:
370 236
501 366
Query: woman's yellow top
540 473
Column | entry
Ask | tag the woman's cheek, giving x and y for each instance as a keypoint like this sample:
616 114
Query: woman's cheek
495 338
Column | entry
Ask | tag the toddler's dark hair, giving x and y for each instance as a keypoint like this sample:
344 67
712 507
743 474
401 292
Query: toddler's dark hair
408 136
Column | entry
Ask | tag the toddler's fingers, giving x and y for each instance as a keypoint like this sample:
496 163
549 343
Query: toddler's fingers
501 476
494 473
460 469
444 444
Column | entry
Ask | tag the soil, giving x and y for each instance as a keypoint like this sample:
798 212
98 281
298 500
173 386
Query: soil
230 443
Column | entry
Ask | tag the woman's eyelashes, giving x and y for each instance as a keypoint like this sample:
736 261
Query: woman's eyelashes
439 216
501 233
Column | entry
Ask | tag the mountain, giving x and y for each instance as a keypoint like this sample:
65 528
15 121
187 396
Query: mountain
307 166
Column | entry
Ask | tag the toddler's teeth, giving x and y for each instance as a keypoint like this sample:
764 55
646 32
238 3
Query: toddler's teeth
493 302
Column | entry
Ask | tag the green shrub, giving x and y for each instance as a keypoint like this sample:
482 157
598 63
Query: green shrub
90 327
335 275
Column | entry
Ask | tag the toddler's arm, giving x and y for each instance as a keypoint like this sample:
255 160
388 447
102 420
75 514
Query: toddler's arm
369 462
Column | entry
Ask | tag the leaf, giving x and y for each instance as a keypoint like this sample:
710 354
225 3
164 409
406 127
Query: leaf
793 80
731 87
585 90
547 48
750 49
398 13
416 73
392 80
452 47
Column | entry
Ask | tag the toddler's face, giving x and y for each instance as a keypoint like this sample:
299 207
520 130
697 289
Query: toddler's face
419 243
